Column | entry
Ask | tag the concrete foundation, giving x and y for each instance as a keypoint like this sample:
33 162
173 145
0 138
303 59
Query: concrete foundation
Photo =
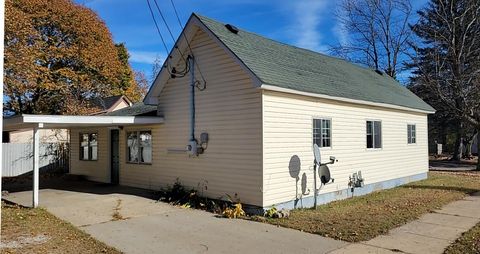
323 198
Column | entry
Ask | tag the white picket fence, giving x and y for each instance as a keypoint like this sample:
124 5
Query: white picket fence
18 158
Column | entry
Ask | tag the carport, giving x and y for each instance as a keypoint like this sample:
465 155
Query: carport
37 122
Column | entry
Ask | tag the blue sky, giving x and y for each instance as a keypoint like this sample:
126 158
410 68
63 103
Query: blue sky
305 23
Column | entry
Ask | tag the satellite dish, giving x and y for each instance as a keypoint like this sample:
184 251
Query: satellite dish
316 153
324 173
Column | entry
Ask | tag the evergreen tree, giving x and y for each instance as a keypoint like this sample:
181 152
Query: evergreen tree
447 63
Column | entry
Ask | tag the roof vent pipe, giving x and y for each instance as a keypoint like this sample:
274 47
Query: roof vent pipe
232 28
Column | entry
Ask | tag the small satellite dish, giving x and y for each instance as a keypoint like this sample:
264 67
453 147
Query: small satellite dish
324 173
316 154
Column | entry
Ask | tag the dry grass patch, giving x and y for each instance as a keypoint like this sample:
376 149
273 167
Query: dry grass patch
363 218
468 243
26 230
116 211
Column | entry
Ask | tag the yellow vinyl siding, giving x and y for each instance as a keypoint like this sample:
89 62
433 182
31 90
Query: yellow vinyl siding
287 123
98 170
229 110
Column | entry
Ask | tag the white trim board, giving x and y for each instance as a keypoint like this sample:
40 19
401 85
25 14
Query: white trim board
58 121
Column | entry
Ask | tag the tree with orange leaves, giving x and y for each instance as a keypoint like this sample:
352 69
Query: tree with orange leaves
59 56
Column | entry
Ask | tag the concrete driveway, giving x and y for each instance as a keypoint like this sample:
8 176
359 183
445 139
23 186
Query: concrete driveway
155 227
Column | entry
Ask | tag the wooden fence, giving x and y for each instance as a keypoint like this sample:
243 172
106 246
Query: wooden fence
18 158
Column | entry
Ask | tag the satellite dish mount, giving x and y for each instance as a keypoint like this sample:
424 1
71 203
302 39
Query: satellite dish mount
323 171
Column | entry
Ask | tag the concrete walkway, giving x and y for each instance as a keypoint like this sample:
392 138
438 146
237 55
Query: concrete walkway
432 233
451 166
156 227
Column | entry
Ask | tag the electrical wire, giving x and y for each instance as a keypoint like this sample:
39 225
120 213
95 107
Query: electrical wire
156 25
168 28
173 72
189 47
164 21
181 73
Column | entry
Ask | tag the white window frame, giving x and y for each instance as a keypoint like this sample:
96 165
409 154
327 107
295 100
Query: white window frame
373 134
321 131
411 140
127 152
89 146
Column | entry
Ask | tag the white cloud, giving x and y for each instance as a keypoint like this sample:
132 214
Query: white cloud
307 18
145 57
340 31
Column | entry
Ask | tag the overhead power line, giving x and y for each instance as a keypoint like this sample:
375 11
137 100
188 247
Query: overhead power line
172 72
164 21
188 43
158 28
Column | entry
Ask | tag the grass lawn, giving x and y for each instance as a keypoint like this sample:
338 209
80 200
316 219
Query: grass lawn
363 218
468 243
27 230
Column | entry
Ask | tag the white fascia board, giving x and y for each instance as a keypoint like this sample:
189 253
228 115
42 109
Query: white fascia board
335 98
94 120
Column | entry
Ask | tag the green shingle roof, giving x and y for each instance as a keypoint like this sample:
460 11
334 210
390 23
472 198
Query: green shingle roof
290 67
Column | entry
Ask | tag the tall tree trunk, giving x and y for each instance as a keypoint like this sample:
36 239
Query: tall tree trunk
468 149
457 153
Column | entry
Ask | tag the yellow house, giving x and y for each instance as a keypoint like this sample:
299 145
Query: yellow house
232 112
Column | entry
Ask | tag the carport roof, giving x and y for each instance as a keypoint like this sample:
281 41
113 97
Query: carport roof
27 121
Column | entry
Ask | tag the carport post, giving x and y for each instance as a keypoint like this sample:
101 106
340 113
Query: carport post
36 161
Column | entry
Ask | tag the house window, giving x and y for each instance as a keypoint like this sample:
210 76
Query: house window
322 132
374 134
88 146
411 134
139 147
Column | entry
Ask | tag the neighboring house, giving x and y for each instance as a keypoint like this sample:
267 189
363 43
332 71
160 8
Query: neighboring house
105 105
265 105
111 103
26 135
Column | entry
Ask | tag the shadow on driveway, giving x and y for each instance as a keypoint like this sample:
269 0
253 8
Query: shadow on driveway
71 183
